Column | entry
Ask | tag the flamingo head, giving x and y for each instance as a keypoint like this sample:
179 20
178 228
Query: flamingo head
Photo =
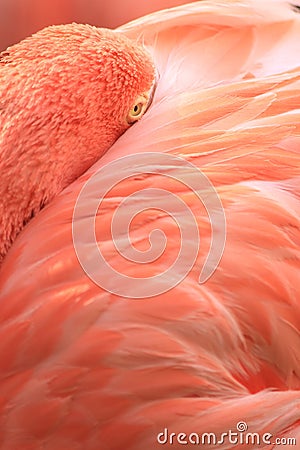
66 94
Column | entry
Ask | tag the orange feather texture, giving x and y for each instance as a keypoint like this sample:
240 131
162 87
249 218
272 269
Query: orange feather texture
84 369
65 94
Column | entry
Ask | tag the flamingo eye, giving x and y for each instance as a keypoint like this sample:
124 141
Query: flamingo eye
137 110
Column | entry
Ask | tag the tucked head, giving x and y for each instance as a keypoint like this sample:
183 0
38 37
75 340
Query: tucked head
66 94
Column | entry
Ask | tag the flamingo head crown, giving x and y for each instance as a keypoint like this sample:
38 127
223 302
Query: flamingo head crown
66 94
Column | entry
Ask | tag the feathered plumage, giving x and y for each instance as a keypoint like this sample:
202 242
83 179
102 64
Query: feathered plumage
84 369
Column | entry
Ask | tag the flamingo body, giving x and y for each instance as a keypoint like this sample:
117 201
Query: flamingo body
83 368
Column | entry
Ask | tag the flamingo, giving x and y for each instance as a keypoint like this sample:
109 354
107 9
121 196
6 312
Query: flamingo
86 366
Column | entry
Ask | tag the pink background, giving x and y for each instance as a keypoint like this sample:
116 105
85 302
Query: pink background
20 18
